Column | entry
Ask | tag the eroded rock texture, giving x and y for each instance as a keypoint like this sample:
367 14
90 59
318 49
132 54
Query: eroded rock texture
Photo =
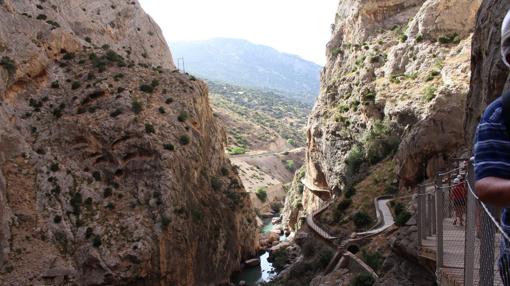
112 165
489 74
396 79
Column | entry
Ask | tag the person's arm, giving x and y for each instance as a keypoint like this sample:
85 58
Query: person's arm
494 191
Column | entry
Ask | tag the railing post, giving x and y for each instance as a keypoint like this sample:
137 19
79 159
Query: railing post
420 214
433 226
487 248
469 246
430 214
423 212
439 225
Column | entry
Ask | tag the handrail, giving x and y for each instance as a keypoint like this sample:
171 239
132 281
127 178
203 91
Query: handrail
486 209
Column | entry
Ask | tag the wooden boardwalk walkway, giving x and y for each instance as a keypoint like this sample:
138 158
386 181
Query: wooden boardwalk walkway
452 272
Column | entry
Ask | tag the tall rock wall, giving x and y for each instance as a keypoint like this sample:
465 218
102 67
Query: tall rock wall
489 74
112 165
395 82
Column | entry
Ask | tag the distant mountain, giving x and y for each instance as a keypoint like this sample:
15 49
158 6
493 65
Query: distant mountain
243 63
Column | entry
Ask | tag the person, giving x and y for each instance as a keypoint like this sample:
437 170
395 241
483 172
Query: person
492 158
458 197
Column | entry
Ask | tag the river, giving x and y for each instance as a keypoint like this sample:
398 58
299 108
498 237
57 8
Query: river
265 271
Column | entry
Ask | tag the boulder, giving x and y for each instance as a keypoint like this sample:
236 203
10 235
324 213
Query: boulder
252 262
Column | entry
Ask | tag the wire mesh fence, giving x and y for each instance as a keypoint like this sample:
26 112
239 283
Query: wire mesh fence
462 234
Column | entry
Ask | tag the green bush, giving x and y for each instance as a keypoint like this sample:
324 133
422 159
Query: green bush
96 175
225 171
161 110
380 142
184 139
169 147
68 56
280 258
363 279
75 85
372 259
107 192
41 17
136 106
149 128
54 167
344 204
349 192
236 150
57 219
183 116
336 52
55 84
354 159
96 241
216 183
325 256
449 39
197 215
429 93
402 218
89 232
116 113
8 64
147 88
75 202
290 165
398 208
261 194
361 219
165 222
419 38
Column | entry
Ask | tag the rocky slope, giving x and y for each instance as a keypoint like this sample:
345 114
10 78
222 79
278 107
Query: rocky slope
489 74
396 79
112 170
393 93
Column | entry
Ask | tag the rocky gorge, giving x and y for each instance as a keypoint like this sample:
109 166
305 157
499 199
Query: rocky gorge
112 166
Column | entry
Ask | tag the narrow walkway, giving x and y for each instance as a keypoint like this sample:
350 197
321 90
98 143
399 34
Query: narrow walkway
387 218
452 272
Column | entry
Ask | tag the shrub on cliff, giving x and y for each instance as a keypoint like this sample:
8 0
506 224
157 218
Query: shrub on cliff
402 218
361 219
262 194
8 64
363 279
373 259
380 142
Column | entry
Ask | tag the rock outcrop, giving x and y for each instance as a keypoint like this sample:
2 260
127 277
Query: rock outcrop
489 74
112 166
396 80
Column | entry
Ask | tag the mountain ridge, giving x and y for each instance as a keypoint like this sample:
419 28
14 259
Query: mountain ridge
243 63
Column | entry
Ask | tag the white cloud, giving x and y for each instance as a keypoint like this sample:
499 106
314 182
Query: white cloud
299 27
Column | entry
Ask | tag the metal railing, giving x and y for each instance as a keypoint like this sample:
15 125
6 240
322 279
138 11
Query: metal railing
461 233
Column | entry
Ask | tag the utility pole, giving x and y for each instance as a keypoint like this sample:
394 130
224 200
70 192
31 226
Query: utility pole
179 64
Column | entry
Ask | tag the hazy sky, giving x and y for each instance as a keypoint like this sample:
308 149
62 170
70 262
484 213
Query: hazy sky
301 27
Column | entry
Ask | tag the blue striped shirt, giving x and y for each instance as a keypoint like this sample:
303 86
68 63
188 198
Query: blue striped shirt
492 147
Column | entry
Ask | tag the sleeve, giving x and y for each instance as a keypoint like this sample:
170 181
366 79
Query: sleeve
492 151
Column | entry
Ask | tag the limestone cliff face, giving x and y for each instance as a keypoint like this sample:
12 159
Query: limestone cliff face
489 74
112 169
395 82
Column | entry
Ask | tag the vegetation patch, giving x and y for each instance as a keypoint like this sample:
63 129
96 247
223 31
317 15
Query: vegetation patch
8 64
261 194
